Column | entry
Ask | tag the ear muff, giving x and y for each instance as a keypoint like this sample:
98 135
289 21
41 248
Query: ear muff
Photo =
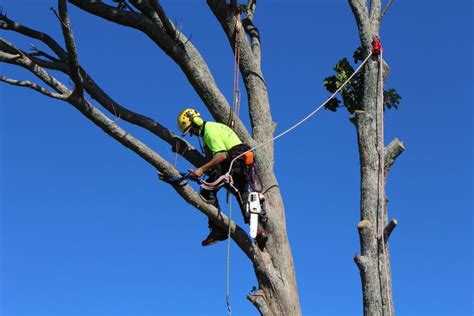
197 121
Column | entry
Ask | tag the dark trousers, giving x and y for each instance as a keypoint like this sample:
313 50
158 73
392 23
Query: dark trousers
243 180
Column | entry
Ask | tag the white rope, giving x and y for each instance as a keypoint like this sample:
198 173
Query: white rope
305 118
381 171
227 278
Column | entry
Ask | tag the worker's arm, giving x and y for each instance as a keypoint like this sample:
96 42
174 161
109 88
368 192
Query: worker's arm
214 162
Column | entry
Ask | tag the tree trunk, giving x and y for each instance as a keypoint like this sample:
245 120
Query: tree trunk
375 162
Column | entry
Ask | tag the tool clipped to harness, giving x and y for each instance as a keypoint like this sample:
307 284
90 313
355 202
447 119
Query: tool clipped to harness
253 210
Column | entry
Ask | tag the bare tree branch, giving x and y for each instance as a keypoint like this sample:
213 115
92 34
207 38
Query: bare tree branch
170 29
32 85
52 65
39 52
23 61
387 6
254 34
190 154
71 48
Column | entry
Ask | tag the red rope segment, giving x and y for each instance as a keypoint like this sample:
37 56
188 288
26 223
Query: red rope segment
236 90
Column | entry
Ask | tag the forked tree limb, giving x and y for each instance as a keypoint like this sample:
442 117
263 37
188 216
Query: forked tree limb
97 93
20 59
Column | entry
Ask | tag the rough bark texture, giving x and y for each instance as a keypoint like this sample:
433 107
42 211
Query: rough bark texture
375 162
274 267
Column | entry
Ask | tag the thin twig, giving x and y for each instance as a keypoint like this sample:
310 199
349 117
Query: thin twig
57 16
39 52
385 9
34 86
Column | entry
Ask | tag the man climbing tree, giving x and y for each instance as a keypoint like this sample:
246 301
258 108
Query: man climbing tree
225 147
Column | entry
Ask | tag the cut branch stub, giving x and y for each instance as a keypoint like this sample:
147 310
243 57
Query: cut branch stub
366 234
389 229
392 151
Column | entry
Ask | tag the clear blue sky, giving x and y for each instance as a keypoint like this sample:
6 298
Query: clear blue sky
87 228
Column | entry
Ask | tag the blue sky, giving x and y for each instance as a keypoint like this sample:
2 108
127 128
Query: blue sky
88 229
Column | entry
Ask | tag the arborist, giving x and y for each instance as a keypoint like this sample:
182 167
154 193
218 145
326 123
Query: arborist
224 145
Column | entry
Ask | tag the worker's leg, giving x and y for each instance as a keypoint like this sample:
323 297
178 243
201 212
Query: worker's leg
216 233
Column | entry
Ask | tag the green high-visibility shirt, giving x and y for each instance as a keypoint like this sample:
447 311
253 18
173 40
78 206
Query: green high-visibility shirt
219 137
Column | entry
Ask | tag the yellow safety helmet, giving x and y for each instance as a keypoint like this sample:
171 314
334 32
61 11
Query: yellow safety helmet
187 118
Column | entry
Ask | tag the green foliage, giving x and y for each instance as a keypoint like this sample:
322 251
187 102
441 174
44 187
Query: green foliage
391 98
351 94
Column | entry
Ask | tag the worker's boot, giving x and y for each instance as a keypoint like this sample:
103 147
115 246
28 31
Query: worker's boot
216 234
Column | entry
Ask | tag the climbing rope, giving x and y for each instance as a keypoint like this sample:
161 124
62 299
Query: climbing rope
225 177
235 109
227 277
377 48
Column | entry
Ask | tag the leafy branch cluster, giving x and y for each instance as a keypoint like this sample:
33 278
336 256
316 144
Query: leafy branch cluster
351 94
